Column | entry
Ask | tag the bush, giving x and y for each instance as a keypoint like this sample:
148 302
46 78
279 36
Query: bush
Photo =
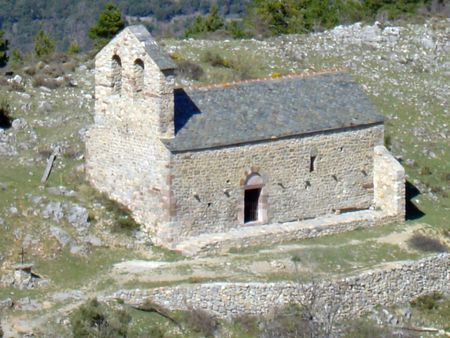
189 69
425 171
367 329
427 302
5 115
17 87
43 44
388 141
215 59
288 322
41 81
201 322
247 324
3 50
123 221
424 243
30 70
94 319
74 48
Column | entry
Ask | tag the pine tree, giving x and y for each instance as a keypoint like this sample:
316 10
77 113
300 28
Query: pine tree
211 23
43 44
3 50
109 23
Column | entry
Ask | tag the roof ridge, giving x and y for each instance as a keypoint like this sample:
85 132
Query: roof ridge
267 78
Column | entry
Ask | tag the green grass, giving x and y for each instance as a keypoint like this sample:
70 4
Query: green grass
69 271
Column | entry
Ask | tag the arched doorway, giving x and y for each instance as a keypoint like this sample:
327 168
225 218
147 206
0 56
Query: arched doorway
251 202
254 208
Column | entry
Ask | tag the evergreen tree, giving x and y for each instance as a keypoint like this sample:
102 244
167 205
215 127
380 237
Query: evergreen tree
109 23
3 50
16 60
201 25
43 44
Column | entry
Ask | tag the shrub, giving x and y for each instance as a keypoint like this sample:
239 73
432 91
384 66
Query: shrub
74 48
94 319
388 141
4 43
30 70
424 243
16 60
215 59
446 177
427 302
17 87
236 30
201 322
53 70
43 44
189 69
123 221
41 81
288 322
366 329
248 324
5 115
425 171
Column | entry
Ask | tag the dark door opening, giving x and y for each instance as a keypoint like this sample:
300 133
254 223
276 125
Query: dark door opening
251 205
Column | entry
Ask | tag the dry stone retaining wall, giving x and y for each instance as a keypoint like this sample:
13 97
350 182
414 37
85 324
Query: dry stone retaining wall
356 294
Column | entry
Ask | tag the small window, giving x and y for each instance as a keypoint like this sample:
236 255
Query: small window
116 67
138 75
312 161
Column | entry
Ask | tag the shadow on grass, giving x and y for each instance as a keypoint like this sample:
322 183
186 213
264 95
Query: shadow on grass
412 212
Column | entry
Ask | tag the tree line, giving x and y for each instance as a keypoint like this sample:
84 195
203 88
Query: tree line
257 18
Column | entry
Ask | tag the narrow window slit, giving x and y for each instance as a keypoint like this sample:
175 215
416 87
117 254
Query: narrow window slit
312 161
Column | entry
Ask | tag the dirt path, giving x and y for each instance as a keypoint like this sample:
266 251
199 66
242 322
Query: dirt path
236 266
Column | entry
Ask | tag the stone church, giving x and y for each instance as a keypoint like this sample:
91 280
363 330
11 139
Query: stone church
188 162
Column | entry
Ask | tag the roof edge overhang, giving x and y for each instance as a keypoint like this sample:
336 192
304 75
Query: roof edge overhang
380 122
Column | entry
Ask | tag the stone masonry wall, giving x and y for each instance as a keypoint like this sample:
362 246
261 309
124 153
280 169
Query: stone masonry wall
208 191
389 183
356 295
124 154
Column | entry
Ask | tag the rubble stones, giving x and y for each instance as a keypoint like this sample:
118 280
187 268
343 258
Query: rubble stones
61 236
77 216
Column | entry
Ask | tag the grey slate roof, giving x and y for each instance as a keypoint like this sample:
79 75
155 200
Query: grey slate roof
162 60
268 109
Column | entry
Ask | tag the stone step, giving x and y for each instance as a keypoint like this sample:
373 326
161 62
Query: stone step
247 236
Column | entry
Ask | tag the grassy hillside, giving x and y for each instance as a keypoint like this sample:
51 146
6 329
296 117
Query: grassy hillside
77 239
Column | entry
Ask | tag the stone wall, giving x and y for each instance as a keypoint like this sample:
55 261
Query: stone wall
271 234
356 295
389 183
208 185
124 154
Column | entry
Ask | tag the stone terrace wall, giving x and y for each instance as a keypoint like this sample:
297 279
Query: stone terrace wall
357 294
342 179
